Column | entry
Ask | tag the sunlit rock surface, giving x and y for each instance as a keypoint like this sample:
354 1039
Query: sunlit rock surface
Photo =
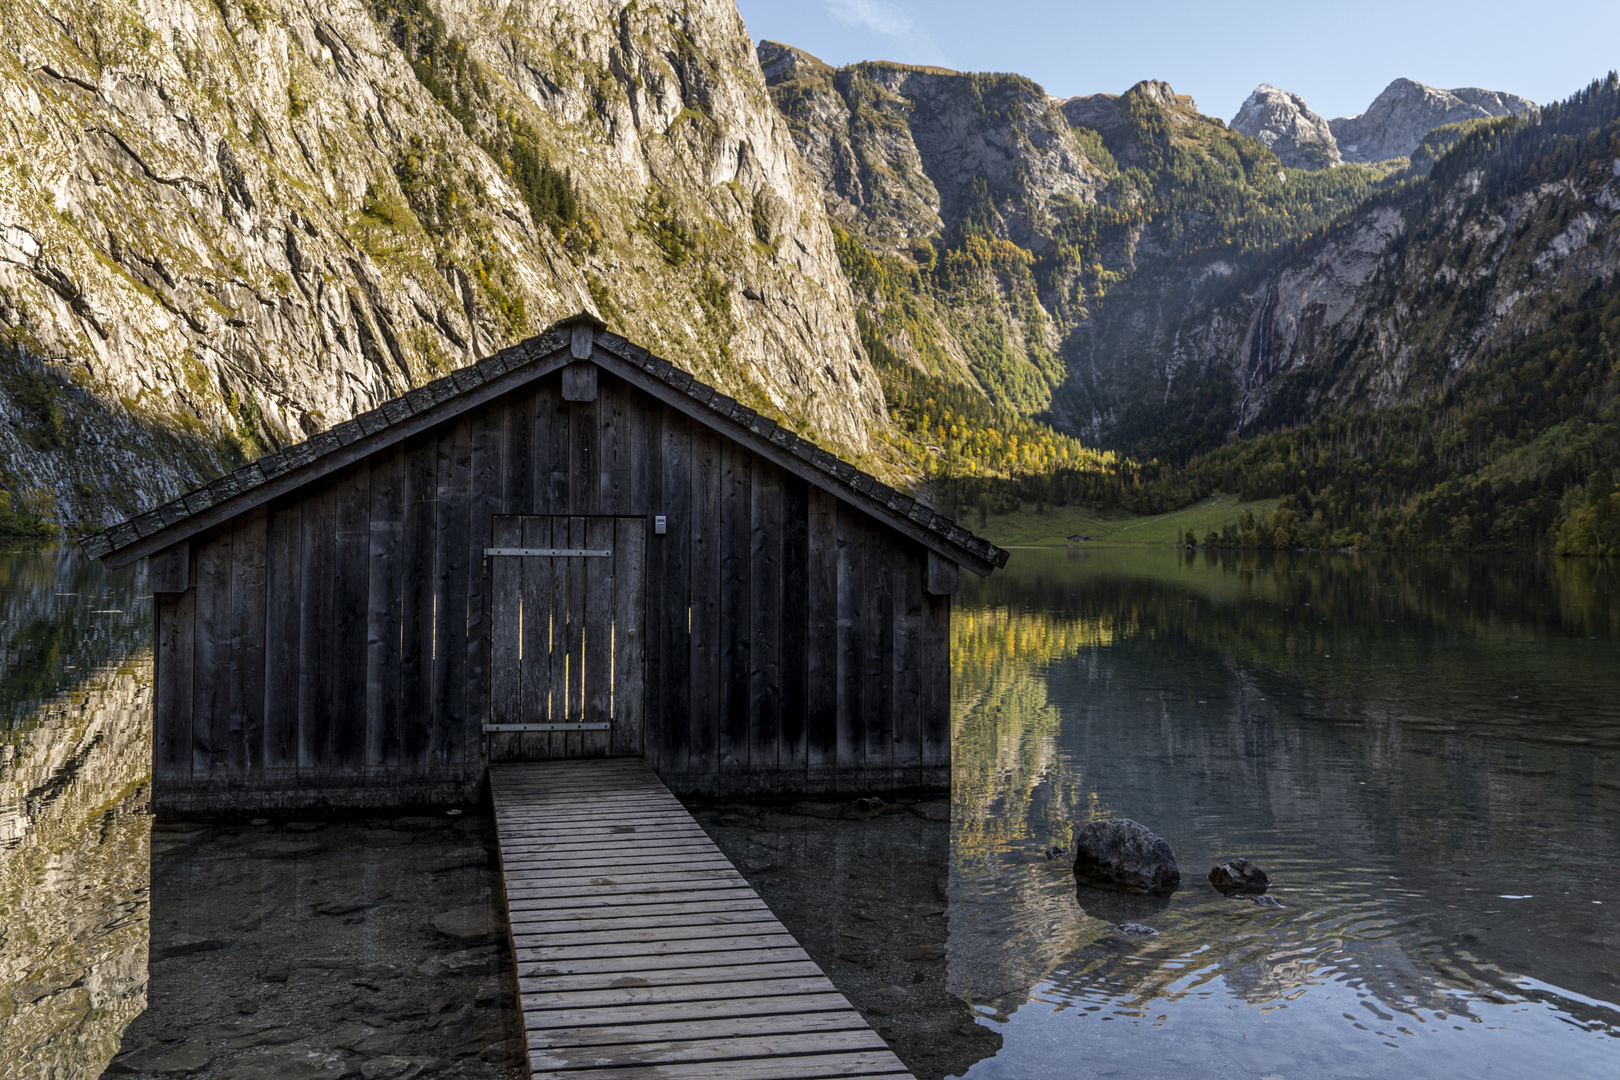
1294 132
224 226
73 859
1405 111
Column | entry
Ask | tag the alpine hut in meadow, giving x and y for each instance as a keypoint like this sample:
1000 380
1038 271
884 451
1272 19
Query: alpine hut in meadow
568 549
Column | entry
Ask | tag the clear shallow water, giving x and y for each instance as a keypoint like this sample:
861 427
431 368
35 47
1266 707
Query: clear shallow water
275 950
1404 744
1424 755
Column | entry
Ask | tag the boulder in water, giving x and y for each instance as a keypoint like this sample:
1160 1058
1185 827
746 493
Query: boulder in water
1239 876
1120 854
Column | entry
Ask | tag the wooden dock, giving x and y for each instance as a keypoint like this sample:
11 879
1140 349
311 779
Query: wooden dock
642 953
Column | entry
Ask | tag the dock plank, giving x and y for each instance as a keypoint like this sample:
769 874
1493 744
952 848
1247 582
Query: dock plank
658 960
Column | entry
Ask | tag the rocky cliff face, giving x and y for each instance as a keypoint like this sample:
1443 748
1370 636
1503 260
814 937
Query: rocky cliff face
1390 306
1398 118
1392 127
904 152
228 225
1298 136
914 159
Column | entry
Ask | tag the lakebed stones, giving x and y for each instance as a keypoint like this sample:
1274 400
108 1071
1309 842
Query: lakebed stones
186 945
1120 908
480 960
1237 876
393 1067
1122 855
182 1060
472 925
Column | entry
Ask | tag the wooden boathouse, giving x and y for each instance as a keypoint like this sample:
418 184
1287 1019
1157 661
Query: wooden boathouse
569 549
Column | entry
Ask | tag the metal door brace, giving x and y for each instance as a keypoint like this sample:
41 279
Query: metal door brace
547 727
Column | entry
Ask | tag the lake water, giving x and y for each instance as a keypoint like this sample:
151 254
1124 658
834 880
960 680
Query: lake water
1424 755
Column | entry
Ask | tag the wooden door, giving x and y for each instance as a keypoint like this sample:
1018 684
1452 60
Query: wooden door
567 601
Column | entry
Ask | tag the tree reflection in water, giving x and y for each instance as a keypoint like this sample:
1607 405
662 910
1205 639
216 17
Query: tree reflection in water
1401 742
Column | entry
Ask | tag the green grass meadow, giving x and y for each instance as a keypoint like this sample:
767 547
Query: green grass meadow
1029 527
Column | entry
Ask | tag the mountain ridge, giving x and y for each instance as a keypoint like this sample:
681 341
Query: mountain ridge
1391 127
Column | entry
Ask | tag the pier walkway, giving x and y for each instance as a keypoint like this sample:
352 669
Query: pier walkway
642 953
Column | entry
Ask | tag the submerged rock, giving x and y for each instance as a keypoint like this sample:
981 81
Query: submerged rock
1116 907
1239 876
1121 854
185 945
471 925
1135 929
179 1060
393 1067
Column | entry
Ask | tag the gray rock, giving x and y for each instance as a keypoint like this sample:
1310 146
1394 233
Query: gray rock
1120 854
462 962
380 969
818 809
467 860
186 945
471 925
1239 876
1106 112
1297 135
284 849
901 151
933 809
1398 118
1115 907
296 1061
266 1033
391 1067
1137 930
179 1060
775 821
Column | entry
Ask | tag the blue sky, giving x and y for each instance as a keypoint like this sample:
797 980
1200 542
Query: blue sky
1338 56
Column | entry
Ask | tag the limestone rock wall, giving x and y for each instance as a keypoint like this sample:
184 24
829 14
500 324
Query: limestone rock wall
1295 133
898 149
1405 111
1391 306
224 226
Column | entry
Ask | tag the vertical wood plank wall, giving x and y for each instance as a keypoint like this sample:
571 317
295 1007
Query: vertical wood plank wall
334 648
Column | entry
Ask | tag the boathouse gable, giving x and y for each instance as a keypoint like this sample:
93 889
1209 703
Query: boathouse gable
572 549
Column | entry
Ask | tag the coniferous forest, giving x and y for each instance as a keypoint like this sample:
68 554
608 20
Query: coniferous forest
1520 452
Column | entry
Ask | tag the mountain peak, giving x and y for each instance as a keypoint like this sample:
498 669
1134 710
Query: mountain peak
1299 137
1407 110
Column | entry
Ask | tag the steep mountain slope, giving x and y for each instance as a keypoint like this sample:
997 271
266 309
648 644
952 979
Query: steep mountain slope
229 224
986 222
1438 367
913 160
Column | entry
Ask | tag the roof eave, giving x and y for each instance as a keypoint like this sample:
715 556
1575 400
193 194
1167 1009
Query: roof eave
493 380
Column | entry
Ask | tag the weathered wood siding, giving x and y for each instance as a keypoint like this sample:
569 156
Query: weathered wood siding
334 647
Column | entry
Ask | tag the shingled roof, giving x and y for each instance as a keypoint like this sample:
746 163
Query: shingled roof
579 337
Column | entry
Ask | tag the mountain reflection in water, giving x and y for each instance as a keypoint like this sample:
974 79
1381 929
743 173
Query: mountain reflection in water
75 690
1424 755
